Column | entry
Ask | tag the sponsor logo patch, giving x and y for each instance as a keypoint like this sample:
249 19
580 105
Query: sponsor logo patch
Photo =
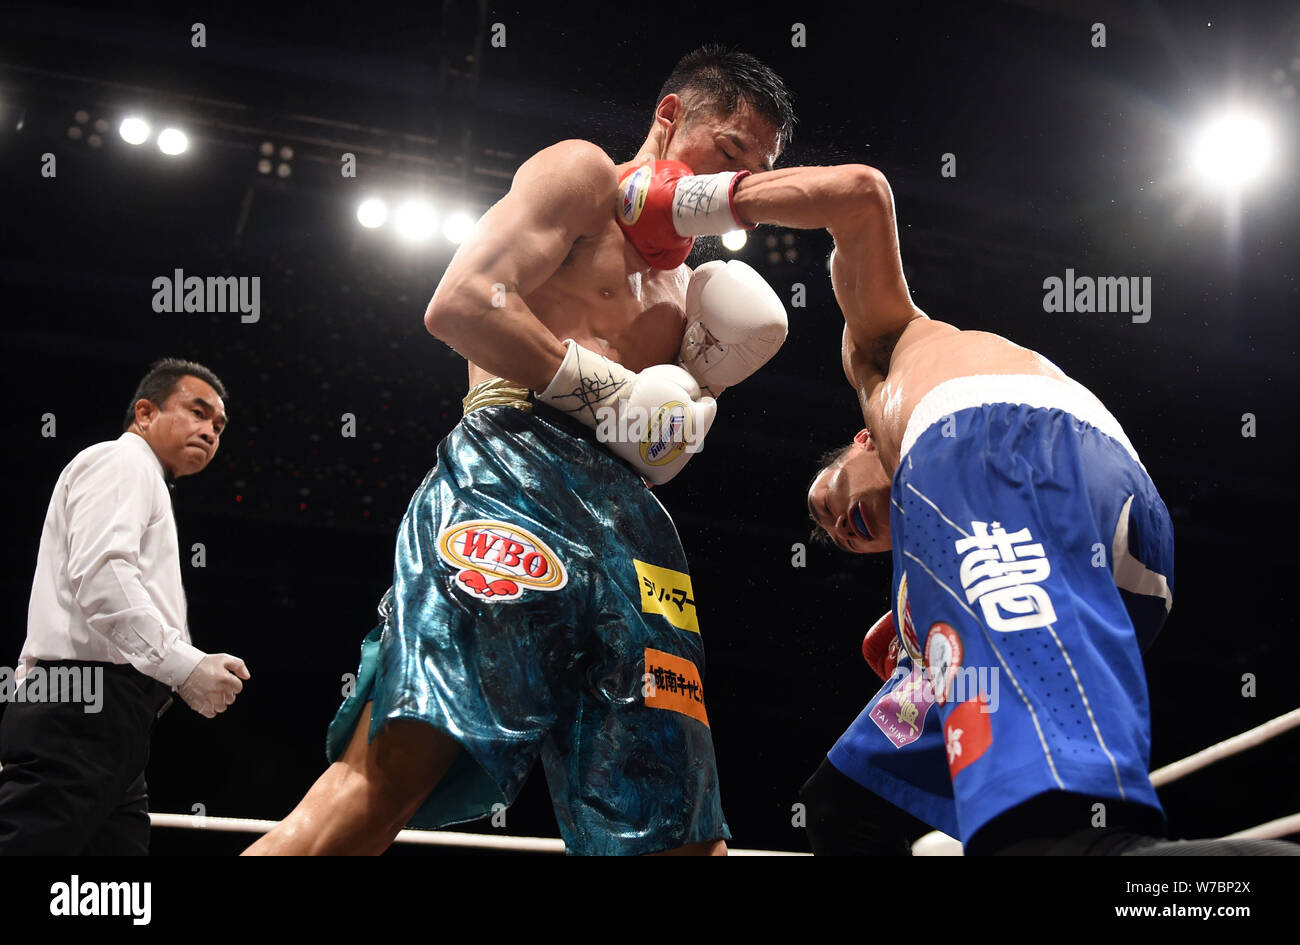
943 654
900 714
668 593
967 733
499 561
676 685
907 627
632 193
667 434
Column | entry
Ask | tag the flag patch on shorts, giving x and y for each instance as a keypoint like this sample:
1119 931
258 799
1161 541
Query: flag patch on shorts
967 734
668 593
673 683
499 561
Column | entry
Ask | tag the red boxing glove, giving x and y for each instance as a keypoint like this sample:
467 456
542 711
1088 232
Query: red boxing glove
645 212
662 207
880 647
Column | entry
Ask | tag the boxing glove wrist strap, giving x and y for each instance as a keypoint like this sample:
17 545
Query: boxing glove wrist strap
704 205
584 383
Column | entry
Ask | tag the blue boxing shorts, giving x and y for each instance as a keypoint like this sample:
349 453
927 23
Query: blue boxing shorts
1033 565
541 607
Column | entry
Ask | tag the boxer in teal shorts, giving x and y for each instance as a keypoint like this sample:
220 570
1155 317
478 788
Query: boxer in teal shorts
541 602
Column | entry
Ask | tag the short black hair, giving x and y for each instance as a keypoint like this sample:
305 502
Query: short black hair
723 77
827 459
160 383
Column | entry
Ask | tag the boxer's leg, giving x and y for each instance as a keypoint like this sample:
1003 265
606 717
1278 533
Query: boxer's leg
362 800
846 819
455 690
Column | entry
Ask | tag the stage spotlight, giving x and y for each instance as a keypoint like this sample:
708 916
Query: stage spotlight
74 132
1232 149
416 221
172 141
735 240
263 166
266 149
372 213
457 227
101 125
283 170
286 153
95 141
134 130
81 117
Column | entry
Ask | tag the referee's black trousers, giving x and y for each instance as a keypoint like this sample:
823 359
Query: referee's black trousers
73 781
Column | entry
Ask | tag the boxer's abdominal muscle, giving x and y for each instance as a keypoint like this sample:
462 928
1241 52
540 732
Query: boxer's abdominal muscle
929 353
607 299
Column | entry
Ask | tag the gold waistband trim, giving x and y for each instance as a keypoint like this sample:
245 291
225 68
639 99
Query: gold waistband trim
493 392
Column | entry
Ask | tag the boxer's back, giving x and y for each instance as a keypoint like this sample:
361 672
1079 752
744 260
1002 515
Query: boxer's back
607 298
929 353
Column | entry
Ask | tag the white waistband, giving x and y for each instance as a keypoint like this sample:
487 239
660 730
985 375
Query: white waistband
1035 390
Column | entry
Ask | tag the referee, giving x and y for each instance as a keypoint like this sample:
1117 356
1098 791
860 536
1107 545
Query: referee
107 607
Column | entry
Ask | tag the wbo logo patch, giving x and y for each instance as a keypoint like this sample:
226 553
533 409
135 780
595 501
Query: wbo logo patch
499 561
632 194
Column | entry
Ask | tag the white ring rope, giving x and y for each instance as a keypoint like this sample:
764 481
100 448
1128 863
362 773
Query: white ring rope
1273 830
1248 739
437 838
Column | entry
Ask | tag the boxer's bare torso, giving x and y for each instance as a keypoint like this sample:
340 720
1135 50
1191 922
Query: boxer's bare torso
609 300
927 354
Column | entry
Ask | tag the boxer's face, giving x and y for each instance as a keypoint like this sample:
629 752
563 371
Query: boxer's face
186 431
850 500
710 140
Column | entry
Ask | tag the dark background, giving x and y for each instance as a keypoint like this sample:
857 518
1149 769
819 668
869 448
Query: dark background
1067 156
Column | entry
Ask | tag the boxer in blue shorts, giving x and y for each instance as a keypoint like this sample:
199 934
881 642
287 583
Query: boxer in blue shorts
541 603
1033 564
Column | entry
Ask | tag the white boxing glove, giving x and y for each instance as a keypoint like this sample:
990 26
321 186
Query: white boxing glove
735 322
655 419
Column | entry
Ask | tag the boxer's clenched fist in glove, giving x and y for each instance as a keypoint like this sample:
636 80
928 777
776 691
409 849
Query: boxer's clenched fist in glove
654 419
735 322
662 207
213 684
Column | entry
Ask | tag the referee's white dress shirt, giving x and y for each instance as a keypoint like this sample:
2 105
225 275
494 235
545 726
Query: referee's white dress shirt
108 575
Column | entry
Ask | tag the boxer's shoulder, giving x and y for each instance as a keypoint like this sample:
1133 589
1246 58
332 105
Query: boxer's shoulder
572 157
572 180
